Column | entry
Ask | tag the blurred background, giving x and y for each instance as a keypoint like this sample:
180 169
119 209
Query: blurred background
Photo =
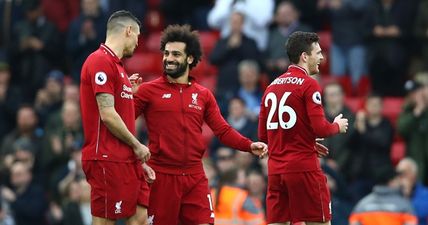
375 72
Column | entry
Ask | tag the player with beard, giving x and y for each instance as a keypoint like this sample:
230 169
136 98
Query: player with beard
175 108
291 118
111 155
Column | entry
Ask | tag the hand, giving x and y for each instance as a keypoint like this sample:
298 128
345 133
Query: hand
136 81
260 149
360 121
150 173
8 194
35 43
321 150
342 122
142 152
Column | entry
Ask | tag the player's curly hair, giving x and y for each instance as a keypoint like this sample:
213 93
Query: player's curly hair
183 33
300 42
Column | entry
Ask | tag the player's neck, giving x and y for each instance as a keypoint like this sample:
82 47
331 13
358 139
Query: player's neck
304 66
184 79
115 46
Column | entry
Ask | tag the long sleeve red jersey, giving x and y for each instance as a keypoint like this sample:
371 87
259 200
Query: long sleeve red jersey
291 117
174 115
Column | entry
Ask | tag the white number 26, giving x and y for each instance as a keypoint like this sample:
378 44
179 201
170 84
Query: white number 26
282 108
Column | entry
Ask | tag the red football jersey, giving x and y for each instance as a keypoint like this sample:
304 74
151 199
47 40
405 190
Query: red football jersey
103 72
291 117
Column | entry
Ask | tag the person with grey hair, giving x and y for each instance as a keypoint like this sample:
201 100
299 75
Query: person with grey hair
413 189
249 91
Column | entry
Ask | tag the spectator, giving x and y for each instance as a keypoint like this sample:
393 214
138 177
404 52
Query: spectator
258 15
389 22
10 100
340 199
412 125
413 189
62 140
84 35
6 217
34 49
233 205
229 51
334 104
286 22
225 159
26 127
384 206
240 120
26 199
249 91
138 7
49 98
370 144
77 210
421 30
349 35
256 186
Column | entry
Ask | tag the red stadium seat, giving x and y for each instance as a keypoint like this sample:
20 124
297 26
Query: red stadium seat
398 151
208 41
354 103
148 65
325 41
204 68
392 107
153 42
209 82
154 21
364 86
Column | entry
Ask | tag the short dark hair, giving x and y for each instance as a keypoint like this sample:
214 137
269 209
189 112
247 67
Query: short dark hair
183 33
300 42
120 16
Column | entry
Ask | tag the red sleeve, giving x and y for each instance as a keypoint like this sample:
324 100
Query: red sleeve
222 130
140 101
321 126
102 76
262 134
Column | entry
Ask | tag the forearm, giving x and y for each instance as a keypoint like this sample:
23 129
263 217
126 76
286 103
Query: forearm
322 127
117 127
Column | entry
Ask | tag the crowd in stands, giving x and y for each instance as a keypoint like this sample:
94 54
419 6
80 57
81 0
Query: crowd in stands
375 73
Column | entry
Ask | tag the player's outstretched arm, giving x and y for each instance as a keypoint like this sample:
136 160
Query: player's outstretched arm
259 148
117 127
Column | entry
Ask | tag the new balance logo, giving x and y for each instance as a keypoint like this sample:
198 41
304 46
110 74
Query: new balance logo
150 220
118 207
166 96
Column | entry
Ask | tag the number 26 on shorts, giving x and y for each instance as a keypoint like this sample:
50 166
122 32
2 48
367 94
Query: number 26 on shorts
282 108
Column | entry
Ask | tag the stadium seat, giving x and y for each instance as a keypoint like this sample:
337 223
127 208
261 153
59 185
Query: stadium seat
208 41
154 21
325 41
209 82
153 42
364 86
204 68
398 151
392 107
354 103
148 65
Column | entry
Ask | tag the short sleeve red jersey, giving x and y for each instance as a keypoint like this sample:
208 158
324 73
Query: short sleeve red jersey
291 117
103 72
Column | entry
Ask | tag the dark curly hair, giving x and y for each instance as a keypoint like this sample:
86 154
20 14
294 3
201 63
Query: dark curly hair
300 42
183 33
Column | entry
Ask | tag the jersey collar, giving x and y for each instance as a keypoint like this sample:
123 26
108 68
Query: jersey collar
110 52
191 80
298 68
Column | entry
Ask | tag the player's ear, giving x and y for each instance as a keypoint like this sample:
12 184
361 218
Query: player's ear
128 30
304 57
190 59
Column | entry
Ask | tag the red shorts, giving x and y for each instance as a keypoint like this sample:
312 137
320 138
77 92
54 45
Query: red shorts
180 199
297 197
116 188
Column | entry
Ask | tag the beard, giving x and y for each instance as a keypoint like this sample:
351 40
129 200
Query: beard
177 72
